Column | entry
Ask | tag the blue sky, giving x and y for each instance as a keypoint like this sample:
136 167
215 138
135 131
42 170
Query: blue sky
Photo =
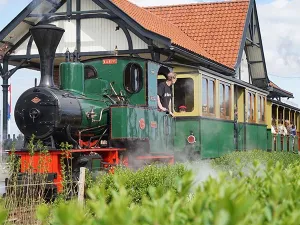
279 24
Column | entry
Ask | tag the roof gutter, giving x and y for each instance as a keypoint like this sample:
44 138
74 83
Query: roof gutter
280 92
210 64
284 105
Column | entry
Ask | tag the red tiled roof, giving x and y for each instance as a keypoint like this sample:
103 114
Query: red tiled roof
161 26
275 86
217 27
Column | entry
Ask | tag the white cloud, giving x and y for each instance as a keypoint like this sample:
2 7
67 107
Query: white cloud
279 25
3 2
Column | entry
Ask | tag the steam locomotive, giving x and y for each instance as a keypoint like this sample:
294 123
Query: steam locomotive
105 108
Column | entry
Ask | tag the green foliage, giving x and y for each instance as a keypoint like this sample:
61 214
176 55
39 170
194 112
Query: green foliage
3 215
242 160
138 182
265 194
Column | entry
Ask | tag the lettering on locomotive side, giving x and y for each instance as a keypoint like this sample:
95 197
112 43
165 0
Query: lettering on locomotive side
109 61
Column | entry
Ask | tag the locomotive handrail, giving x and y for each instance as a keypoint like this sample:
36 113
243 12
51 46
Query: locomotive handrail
67 95
114 90
107 96
100 117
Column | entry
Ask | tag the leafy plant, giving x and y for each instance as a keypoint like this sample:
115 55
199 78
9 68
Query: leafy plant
266 193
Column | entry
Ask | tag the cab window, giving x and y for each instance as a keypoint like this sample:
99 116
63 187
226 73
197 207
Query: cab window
184 95
90 72
133 78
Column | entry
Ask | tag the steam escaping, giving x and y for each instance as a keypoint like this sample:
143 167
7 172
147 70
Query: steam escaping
202 170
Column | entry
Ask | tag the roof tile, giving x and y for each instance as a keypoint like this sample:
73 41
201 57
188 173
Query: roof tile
207 22
163 26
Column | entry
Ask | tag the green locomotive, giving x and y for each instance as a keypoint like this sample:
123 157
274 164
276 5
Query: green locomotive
106 108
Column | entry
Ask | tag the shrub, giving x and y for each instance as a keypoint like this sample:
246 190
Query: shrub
271 198
138 182
242 160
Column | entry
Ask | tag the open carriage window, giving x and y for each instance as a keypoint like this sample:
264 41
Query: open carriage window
208 96
224 91
133 78
184 95
261 109
90 72
251 107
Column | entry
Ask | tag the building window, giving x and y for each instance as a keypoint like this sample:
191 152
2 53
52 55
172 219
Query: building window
184 95
251 107
225 101
261 109
133 78
208 96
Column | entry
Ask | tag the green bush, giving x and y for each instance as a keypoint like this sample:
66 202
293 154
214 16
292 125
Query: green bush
138 182
242 160
270 198
268 193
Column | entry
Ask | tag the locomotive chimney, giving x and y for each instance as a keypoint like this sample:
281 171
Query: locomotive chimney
46 38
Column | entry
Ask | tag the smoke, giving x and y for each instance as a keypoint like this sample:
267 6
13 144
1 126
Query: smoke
289 51
2 2
202 170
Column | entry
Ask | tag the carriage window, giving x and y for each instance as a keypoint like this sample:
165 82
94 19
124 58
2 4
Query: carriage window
133 78
90 72
208 96
184 95
224 100
251 107
261 109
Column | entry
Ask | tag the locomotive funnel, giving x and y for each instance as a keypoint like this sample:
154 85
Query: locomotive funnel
46 38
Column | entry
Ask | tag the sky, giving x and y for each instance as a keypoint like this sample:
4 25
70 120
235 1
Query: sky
280 30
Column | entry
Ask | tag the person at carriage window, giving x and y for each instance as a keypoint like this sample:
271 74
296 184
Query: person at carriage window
182 109
164 93
282 129
293 130
274 128
287 126
293 133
